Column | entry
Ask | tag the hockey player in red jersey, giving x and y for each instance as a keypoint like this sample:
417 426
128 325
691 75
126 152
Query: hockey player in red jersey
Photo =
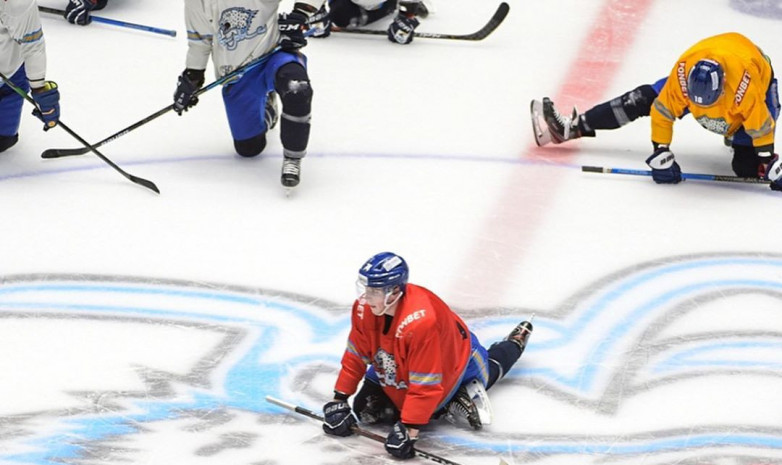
726 82
424 361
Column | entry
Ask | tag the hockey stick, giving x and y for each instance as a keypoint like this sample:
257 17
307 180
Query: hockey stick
359 431
135 179
696 176
114 22
482 33
58 153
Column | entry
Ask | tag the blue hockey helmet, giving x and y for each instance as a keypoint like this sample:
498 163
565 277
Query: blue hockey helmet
705 82
384 270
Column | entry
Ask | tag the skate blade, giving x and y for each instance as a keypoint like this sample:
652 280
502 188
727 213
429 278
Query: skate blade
539 129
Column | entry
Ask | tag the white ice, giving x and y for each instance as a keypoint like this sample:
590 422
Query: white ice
147 329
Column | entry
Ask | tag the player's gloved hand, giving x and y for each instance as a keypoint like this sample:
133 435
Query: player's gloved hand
321 21
399 443
291 26
78 11
401 29
665 170
47 101
188 83
774 173
338 419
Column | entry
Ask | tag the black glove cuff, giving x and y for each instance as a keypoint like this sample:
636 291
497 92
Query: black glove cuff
341 396
196 76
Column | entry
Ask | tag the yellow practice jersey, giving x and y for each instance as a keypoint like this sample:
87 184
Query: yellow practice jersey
748 74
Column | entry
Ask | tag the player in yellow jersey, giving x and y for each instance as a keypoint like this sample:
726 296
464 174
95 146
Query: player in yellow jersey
726 82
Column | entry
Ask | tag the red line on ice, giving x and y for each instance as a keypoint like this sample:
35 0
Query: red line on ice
511 225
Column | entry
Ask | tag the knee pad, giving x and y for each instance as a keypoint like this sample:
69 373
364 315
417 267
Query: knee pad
344 13
638 102
6 142
372 405
623 109
250 147
745 161
293 86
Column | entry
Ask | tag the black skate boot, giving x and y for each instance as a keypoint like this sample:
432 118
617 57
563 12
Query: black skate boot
520 334
271 111
291 172
561 128
461 407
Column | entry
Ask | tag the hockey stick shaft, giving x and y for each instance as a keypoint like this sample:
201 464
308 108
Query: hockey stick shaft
356 429
135 179
114 22
58 153
488 28
695 176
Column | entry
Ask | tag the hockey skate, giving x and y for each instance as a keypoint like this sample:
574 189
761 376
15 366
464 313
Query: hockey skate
271 111
291 172
550 126
470 404
520 334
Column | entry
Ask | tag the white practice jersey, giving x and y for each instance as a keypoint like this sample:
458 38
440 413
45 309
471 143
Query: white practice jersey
233 32
21 40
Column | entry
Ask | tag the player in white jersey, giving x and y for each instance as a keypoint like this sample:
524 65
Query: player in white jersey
234 33
23 62
78 11
357 13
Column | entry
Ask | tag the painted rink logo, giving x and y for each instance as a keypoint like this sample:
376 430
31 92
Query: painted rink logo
673 361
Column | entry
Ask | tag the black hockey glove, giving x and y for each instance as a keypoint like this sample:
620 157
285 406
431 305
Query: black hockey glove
399 443
321 21
338 419
78 11
188 83
291 26
401 30
774 173
665 170
47 101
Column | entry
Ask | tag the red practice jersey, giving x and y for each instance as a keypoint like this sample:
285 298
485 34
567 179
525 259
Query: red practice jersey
419 360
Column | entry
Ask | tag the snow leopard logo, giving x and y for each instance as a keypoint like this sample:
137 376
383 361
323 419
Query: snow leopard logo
385 366
715 125
235 27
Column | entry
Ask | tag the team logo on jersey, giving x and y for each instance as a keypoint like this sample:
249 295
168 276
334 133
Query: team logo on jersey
235 27
715 125
743 87
385 366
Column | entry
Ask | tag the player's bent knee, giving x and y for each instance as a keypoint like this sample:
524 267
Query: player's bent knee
745 161
293 85
6 142
343 12
250 147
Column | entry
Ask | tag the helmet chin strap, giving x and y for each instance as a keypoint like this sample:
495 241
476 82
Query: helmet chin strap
387 304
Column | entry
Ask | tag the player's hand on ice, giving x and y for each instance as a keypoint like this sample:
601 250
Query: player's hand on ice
291 26
47 101
188 83
78 11
401 29
774 173
399 443
338 419
665 170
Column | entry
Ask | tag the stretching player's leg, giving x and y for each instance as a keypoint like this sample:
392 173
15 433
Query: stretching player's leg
345 13
293 86
612 114
372 405
504 354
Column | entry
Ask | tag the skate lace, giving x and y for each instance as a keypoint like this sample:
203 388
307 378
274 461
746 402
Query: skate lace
291 167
